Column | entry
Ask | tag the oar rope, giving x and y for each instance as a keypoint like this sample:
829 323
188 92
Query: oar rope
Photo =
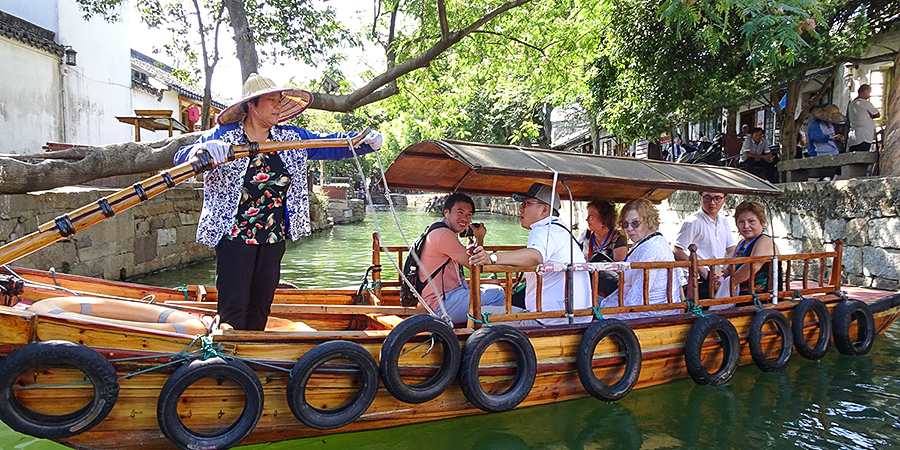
384 248
74 221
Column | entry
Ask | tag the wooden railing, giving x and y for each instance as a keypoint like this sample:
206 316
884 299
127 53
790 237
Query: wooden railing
781 289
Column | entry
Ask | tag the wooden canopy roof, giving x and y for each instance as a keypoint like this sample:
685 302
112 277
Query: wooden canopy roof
483 169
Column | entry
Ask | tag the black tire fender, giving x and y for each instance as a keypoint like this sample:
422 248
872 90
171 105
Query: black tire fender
629 344
327 419
185 376
755 339
693 349
98 371
392 348
526 368
844 315
797 326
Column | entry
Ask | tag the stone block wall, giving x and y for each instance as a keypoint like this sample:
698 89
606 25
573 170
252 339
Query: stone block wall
864 212
152 236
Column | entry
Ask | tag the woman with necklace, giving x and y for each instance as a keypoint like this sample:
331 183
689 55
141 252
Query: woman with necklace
602 242
750 218
640 221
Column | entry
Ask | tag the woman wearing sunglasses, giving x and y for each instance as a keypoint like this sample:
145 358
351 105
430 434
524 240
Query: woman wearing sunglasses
640 221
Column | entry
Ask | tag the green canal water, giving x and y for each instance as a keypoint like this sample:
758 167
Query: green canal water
839 402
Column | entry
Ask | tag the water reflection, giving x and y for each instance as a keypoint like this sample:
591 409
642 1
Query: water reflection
339 256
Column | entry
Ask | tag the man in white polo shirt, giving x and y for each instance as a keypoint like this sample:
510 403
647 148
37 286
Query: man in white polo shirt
548 241
710 232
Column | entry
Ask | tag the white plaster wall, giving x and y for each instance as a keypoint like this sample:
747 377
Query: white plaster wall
29 98
42 13
98 88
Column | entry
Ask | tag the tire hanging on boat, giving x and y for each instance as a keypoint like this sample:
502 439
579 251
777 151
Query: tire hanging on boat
693 348
630 347
844 315
392 348
220 368
526 368
798 325
755 340
327 419
96 369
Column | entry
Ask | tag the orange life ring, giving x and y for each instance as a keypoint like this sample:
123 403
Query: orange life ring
122 312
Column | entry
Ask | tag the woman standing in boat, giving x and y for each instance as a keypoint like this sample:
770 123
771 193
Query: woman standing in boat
640 220
251 205
750 218
602 242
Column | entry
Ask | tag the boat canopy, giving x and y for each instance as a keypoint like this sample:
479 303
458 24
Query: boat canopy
499 170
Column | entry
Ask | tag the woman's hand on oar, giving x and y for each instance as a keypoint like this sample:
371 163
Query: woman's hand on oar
216 149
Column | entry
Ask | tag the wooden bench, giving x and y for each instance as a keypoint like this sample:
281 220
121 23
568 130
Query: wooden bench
853 165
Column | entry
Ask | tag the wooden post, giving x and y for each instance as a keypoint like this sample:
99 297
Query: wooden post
507 301
137 130
837 264
693 284
475 296
376 261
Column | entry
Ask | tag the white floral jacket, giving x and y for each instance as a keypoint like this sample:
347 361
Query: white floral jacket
222 184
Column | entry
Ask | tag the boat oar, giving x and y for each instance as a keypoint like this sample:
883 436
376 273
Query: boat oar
81 218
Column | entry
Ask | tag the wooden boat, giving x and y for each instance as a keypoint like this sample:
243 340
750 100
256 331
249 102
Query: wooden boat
340 360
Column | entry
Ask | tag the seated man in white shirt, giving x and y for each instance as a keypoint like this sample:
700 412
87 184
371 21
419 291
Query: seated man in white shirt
756 157
710 232
549 241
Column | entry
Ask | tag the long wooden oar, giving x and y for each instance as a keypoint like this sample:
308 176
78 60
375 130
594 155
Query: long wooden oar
81 218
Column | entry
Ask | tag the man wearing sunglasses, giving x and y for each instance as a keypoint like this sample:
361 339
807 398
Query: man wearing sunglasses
710 232
548 241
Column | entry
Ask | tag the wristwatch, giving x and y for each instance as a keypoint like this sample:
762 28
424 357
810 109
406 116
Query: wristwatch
493 258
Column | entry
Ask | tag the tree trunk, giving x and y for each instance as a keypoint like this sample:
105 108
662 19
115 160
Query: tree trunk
18 176
790 124
243 37
889 162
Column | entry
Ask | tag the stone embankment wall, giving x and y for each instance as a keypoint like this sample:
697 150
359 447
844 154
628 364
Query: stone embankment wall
152 236
864 212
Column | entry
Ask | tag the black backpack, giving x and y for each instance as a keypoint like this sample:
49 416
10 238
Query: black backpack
411 268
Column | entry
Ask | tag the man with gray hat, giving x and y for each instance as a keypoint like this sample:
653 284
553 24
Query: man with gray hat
251 205
548 241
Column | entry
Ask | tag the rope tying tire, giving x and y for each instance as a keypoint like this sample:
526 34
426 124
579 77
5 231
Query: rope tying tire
526 368
844 315
327 419
220 368
629 345
693 349
98 371
798 326
392 349
756 336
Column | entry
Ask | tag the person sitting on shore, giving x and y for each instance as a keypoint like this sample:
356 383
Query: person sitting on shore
548 241
750 218
640 220
443 257
602 242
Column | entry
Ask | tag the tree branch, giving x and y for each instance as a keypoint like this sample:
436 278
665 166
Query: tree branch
533 47
442 18
18 177
345 103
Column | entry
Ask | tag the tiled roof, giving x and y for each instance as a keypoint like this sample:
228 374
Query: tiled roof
163 73
29 34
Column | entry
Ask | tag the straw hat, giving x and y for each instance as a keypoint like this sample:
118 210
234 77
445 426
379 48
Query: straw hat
829 114
293 102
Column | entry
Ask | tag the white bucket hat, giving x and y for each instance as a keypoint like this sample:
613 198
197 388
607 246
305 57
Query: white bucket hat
293 100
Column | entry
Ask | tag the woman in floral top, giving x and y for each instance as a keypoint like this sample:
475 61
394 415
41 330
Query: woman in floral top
252 205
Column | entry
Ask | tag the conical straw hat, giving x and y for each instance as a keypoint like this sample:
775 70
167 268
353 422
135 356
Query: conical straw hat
293 101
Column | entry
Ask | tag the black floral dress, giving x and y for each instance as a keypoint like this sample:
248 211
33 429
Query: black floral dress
260 216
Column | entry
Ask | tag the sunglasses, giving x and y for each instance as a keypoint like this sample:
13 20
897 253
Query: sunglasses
710 198
524 204
634 224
